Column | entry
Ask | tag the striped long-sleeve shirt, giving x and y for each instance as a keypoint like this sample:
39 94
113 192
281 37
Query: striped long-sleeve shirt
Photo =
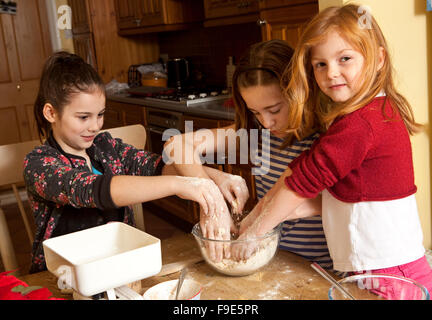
304 237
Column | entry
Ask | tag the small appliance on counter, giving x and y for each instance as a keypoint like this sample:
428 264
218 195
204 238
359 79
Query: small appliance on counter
150 74
178 73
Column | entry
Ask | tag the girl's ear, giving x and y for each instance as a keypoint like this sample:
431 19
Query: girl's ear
49 113
381 57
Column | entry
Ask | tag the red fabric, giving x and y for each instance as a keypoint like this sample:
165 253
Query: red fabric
362 157
12 288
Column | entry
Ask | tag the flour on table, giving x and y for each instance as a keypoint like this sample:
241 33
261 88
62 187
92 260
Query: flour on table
270 294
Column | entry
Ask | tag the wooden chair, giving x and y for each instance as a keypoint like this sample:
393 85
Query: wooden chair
134 135
11 174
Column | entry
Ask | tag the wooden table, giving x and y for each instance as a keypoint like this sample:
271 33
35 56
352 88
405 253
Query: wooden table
288 276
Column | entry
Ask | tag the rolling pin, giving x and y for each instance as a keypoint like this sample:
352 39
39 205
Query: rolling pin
177 266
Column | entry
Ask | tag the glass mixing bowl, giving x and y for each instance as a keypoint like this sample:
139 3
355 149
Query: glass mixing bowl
261 251
377 286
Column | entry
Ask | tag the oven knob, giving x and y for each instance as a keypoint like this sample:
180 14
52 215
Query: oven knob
214 93
191 96
203 95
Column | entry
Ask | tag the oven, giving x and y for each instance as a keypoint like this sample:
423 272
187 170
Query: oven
157 122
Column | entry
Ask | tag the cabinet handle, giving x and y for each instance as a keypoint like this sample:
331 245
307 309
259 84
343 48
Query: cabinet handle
261 22
156 130
138 22
18 87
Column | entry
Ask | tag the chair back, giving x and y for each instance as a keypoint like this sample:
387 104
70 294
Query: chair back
134 135
11 173
11 161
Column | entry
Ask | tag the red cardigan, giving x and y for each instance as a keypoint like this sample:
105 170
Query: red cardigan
362 157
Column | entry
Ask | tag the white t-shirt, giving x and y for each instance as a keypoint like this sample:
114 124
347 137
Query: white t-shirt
372 235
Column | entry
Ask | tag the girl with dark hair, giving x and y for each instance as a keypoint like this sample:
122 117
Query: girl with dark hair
80 178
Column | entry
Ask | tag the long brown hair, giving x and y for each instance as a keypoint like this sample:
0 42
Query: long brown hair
263 64
302 91
63 75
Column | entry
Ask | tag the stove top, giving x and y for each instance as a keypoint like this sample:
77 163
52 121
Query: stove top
187 97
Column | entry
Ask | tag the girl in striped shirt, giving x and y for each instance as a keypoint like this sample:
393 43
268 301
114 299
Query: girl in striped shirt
259 104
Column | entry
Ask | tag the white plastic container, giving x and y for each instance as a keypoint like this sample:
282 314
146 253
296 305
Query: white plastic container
98 259
190 290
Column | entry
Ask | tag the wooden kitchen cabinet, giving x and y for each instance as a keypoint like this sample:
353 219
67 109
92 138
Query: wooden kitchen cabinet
85 48
81 22
225 12
271 4
119 114
284 23
142 16
138 13
225 8
82 32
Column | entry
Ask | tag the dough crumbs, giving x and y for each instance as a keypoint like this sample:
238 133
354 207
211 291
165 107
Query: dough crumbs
258 259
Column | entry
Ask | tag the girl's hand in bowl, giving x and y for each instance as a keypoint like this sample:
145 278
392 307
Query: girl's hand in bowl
217 227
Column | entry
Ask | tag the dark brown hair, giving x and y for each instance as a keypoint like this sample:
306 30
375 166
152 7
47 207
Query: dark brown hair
263 64
63 75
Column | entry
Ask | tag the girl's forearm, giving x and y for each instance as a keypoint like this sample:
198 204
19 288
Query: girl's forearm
127 190
185 151
169 170
282 206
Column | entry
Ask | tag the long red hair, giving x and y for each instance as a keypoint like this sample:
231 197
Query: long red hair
302 91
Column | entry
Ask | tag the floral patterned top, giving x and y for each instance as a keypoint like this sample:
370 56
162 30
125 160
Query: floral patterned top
66 195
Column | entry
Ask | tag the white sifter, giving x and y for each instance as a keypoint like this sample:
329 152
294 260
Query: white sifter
103 259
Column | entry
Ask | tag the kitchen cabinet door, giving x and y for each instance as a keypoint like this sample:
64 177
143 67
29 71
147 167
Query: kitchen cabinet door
142 16
84 47
127 12
228 12
80 16
82 31
139 13
270 4
24 47
119 114
285 23
226 8
151 12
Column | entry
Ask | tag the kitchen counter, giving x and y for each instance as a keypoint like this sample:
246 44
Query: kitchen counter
213 109
288 276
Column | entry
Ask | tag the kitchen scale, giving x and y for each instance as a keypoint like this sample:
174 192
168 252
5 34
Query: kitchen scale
103 259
